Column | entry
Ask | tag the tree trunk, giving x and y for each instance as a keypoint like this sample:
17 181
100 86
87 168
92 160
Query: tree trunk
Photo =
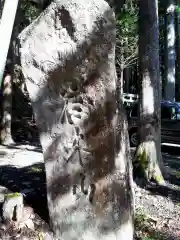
148 153
121 75
6 137
126 73
68 60
6 27
178 52
163 48
170 55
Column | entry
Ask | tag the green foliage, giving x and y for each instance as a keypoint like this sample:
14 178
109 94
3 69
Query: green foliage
127 23
177 9
127 37
145 227
28 13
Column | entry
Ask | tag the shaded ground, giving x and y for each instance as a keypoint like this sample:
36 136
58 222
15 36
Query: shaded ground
29 180
171 159
22 170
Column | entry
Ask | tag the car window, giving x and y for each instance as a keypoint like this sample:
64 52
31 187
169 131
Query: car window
165 112
134 112
168 112
175 113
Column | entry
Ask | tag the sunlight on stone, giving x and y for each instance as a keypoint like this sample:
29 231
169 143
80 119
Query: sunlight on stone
47 141
78 217
89 235
126 231
69 200
121 165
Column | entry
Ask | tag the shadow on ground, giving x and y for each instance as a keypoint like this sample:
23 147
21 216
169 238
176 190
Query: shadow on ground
172 188
165 191
171 161
29 180
18 146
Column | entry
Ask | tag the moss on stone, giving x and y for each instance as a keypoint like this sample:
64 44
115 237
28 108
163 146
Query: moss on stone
40 236
12 195
142 159
36 169
158 179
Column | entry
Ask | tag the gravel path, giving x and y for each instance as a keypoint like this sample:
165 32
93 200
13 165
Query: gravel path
22 170
164 211
162 204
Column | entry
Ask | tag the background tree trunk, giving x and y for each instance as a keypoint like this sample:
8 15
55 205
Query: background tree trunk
148 153
6 27
68 60
6 137
177 52
126 74
170 54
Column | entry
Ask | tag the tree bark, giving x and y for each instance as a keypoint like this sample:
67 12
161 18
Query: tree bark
6 27
148 158
121 77
126 73
68 60
170 53
177 52
6 137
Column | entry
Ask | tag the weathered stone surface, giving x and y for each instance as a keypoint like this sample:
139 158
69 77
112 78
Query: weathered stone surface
3 191
13 207
68 60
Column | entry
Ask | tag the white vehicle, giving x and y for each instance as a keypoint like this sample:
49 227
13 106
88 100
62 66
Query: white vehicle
129 98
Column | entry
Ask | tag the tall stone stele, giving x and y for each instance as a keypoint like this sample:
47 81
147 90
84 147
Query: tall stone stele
68 61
